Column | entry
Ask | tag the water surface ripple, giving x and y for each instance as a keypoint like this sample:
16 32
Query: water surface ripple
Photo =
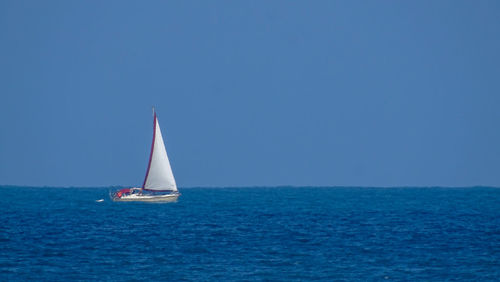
276 233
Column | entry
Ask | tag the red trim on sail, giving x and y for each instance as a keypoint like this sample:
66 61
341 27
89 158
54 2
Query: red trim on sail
150 154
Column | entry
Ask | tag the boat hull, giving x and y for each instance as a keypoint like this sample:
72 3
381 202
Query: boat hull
148 198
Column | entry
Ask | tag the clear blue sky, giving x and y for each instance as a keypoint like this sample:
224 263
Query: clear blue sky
372 93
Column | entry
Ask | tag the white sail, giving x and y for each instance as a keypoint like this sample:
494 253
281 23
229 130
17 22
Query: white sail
159 176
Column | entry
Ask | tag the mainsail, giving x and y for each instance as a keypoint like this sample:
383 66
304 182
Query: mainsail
159 176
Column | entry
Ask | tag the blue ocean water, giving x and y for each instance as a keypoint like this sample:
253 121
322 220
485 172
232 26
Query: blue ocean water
276 233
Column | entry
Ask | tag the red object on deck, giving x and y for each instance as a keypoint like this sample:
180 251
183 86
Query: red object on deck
122 191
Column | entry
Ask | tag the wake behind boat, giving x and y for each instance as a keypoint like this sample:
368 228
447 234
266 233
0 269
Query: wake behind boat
159 184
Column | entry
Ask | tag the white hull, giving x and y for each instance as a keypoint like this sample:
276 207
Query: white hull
147 198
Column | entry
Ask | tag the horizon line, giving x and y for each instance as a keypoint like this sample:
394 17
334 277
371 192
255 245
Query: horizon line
257 186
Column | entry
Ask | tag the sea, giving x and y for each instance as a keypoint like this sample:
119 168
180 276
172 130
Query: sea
252 234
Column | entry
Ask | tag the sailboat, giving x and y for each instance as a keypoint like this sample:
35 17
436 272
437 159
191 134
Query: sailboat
159 184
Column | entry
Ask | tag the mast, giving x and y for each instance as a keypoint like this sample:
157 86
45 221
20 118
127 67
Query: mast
152 148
